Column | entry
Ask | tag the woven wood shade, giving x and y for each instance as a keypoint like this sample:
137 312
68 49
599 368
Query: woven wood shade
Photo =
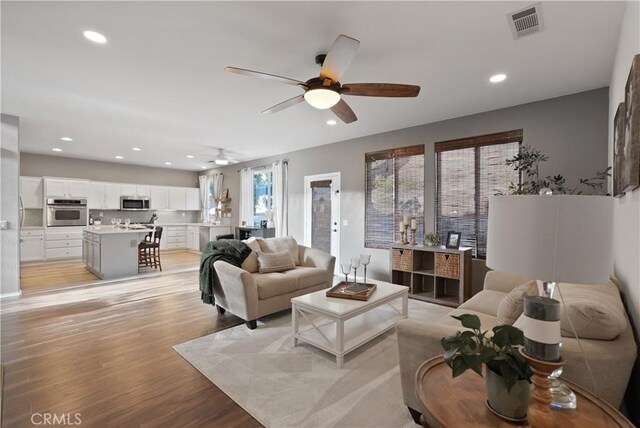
394 187
468 171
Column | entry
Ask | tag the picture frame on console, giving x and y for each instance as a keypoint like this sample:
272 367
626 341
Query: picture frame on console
618 150
453 240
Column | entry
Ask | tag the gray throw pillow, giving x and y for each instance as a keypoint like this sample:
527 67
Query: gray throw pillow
278 261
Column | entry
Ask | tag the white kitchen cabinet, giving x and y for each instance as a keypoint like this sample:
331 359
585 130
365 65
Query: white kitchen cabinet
192 197
134 190
177 198
96 195
96 262
63 242
174 237
112 193
193 238
62 188
31 245
31 192
159 198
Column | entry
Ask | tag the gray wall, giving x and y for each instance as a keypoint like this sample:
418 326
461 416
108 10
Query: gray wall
571 130
626 210
56 166
9 185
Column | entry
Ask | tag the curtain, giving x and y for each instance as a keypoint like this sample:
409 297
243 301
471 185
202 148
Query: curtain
246 196
204 197
280 171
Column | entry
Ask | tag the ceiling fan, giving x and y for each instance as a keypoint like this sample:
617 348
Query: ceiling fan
326 91
223 159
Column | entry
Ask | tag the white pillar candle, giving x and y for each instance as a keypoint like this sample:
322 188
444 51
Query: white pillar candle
402 226
405 219
414 223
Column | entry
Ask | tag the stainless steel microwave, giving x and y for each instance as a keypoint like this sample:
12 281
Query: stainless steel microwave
134 203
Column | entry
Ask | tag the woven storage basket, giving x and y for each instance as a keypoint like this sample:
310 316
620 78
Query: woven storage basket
402 259
448 265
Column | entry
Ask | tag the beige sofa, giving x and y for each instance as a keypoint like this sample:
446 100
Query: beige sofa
610 361
250 295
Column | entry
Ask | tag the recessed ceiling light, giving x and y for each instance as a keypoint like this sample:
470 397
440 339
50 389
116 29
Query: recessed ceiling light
119 157
496 78
203 167
167 163
331 122
95 37
189 156
55 149
136 149
66 138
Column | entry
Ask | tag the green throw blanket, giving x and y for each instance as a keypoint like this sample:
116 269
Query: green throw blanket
227 250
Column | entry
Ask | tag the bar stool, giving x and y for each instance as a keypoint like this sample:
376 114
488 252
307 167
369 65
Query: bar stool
149 250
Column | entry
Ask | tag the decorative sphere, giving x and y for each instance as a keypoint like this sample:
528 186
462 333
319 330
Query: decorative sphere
545 191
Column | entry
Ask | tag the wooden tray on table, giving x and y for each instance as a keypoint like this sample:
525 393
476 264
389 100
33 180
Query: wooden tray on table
335 291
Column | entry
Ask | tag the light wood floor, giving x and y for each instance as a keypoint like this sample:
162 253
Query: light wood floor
105 352
36 277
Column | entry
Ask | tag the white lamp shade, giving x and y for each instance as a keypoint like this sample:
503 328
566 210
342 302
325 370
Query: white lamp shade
561 238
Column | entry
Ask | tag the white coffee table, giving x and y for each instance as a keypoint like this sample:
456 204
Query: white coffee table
339 326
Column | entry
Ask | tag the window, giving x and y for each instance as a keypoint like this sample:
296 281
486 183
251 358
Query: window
262 194
394 187
468 171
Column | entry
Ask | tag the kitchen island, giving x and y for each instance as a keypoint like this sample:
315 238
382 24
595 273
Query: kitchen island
111 252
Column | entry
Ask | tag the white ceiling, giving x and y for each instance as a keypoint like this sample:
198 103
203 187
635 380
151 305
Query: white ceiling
159 83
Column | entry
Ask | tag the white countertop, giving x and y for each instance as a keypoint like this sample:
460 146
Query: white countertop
110 230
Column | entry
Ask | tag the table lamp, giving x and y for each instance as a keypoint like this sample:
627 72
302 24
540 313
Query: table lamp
553 238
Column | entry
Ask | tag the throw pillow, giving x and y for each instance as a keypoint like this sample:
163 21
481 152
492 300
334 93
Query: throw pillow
279 261
594 310
512 305
250 264
271 245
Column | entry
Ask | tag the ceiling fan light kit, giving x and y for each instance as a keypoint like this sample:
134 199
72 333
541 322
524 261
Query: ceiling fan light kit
325 91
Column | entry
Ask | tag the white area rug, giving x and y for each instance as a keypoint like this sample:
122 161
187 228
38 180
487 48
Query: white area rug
283 386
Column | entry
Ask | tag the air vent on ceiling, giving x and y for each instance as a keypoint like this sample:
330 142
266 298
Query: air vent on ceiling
526 21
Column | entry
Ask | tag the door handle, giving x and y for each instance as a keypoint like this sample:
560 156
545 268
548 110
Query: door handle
335 230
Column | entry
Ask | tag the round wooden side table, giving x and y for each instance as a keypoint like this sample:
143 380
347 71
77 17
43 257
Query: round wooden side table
460 402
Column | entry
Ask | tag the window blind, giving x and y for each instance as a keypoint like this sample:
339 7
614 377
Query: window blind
394 186
468 171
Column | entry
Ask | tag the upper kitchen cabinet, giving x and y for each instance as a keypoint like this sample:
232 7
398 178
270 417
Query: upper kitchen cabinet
96 195
31 192
193 199
177 198
59 188
112 195
135 190
159 198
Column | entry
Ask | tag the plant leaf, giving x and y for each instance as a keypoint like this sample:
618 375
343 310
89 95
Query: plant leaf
469 321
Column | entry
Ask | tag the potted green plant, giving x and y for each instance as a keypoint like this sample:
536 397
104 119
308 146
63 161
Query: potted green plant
508 373
431 239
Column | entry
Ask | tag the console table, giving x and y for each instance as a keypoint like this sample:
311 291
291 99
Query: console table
434 274
460 401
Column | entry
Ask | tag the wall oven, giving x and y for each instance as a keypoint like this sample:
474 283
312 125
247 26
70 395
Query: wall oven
134 203
66 212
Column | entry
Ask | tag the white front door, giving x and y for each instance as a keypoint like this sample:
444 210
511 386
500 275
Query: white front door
322 213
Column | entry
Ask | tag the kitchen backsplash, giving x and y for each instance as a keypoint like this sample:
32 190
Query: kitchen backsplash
145 216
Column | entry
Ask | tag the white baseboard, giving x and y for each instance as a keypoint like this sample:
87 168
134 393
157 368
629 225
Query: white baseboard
9 295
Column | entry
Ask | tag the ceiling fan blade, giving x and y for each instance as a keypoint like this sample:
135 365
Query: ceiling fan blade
285 104
344 112
265 76
380 90
339 57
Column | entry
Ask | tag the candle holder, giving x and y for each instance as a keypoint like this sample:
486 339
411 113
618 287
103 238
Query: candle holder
541 391
413 236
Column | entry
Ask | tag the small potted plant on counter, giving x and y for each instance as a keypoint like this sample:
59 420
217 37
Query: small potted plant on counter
431 239
508 373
